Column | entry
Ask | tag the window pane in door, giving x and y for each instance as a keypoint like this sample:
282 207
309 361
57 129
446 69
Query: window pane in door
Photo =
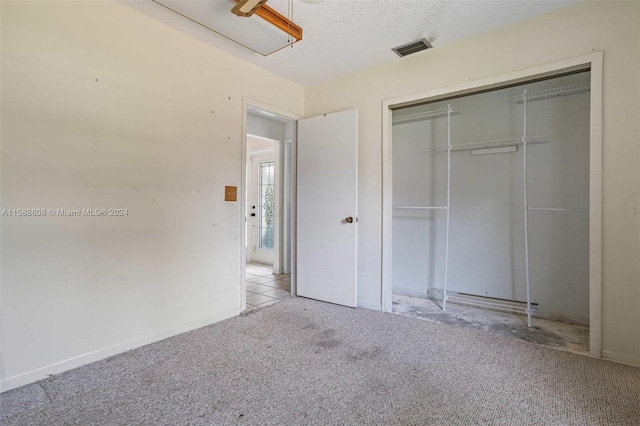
267 204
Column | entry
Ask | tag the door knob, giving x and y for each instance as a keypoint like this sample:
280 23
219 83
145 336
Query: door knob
349 219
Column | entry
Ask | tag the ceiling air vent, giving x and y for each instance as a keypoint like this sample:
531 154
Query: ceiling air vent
413 47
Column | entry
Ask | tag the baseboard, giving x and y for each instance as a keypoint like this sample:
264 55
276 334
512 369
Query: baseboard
621 358
32 376
368 305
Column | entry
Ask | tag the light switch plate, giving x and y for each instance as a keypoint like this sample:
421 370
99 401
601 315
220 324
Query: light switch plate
231 193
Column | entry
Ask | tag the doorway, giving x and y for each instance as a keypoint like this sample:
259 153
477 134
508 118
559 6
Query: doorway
268 206
303 203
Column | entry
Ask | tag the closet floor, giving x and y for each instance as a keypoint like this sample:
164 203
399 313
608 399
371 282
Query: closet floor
554 334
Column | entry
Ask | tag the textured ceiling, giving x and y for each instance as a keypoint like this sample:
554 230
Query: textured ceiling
342 36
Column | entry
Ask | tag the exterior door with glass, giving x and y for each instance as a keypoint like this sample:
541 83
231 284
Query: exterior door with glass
261 208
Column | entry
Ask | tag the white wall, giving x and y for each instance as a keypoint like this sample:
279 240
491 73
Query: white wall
103 107
258 144
486 254
613 27
264 127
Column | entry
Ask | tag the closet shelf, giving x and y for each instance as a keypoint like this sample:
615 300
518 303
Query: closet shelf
420 207
558 209
427 115
574 89
534 140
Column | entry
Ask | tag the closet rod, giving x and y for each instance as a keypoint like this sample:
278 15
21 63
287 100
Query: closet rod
555 209
526 207
420 208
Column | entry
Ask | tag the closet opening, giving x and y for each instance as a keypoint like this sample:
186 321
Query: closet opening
490 210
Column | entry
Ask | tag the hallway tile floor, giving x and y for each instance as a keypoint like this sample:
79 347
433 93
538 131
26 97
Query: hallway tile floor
265 288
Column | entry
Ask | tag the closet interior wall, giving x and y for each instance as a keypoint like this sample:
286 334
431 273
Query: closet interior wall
487 233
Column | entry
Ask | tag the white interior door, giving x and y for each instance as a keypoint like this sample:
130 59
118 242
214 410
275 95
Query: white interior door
327 202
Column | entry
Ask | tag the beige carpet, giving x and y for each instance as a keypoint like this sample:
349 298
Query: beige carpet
302 362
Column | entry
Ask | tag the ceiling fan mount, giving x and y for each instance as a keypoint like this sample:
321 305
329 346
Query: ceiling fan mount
246 8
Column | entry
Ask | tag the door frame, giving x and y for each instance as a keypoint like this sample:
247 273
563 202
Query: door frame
247 103
594 62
